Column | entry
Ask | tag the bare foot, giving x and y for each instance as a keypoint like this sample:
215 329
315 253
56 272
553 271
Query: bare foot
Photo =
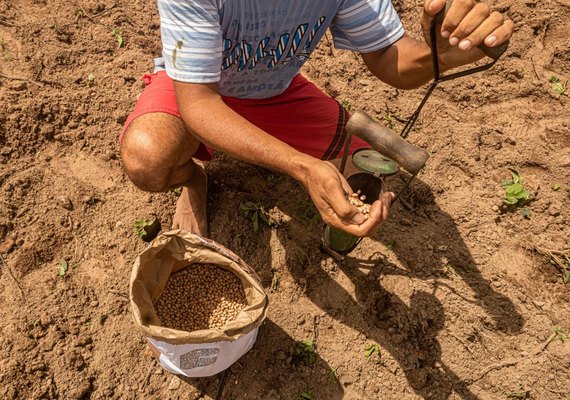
190 213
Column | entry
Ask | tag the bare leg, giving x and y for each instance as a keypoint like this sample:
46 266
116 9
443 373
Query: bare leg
157 152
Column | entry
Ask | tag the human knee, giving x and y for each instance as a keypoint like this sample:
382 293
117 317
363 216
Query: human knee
148 161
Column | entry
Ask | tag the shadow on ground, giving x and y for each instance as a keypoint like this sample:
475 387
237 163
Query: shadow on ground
408 333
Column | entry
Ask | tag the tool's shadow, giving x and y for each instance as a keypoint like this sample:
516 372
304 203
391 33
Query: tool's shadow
408 333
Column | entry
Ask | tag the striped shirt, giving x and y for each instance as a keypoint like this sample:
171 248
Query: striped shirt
254 48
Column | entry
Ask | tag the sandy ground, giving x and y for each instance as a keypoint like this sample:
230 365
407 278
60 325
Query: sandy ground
458 293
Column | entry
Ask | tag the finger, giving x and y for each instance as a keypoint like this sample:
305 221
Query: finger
471 24
457 11
380 208
501 34
432 7
379 211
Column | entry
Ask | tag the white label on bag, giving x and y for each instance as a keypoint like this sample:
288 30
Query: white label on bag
199 358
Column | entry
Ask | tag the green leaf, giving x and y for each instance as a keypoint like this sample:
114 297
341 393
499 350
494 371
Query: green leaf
255 220
559 88
515 188
555 187
308 395
554 79
525 212
516 176
63 266
510 200
371 349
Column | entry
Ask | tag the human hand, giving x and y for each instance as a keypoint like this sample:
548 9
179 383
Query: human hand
329 191
466 25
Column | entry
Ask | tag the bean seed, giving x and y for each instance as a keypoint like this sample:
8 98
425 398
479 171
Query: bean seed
357 201
200 296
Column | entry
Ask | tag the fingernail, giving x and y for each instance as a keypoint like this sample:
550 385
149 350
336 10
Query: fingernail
453 41
430 6
465 45
445 34
490 40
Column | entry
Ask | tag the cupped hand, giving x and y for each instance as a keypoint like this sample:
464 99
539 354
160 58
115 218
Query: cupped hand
329 191
466 25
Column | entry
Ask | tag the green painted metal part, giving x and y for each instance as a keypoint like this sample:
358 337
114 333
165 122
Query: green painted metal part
340 240
369 160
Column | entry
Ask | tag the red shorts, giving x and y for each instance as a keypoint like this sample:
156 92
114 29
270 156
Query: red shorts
302 116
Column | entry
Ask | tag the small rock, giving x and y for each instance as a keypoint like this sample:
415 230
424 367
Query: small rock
301 320
495 208
555 208
37 366
65 202
7 245
539 304
406 221
174 383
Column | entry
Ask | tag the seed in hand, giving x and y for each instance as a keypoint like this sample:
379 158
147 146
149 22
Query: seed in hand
358 200
200 296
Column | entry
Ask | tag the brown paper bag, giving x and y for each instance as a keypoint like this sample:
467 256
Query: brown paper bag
204 352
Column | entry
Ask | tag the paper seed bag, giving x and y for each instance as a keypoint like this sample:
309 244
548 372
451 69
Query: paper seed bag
204 352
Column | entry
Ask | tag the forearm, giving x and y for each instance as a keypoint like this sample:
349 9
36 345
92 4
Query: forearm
218 126
406 64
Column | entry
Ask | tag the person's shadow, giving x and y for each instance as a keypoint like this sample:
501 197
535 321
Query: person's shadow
273 369
408 333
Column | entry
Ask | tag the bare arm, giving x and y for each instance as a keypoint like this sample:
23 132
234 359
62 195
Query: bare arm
406 64
215 124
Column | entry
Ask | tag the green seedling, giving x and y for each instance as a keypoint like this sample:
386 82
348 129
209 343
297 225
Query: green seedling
391 244
333 375
305 352
525 212
257 213
147 230
515 193
372 351
63 267
176 191
275 281
448 270
346 104
560 334
308 395
391 119
521 394
555 187
557 85
118 33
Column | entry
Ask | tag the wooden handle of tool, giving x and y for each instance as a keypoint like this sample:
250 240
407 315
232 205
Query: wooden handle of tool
493 52
387 142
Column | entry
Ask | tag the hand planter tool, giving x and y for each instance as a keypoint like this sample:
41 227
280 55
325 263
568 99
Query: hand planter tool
387 143
492 52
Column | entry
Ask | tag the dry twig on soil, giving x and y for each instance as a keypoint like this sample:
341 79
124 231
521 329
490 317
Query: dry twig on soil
4 263
544 345
20 78
559 258
505 363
